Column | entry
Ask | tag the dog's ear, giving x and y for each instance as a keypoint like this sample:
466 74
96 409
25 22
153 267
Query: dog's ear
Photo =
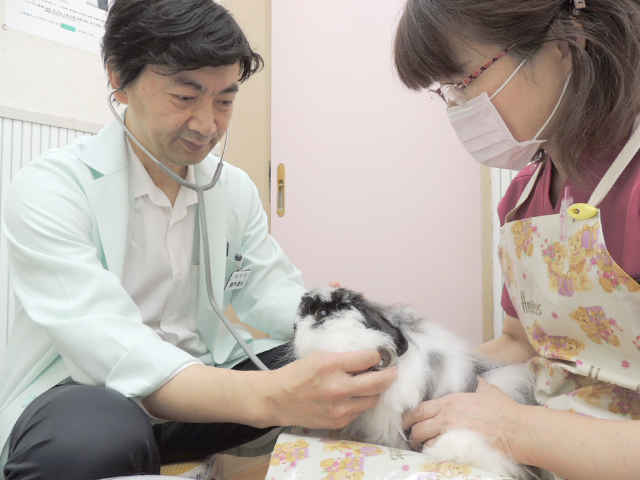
404 317
402 345
306 302
376 318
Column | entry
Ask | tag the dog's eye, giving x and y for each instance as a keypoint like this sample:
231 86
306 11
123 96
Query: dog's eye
322 313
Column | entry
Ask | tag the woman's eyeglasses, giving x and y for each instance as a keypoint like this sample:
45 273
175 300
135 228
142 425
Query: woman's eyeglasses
452 93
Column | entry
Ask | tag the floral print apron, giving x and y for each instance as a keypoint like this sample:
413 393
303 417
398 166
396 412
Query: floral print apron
580 310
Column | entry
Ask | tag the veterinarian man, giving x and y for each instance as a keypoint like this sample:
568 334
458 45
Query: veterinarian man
113 323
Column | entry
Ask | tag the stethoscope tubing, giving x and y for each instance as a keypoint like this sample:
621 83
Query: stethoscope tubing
202 219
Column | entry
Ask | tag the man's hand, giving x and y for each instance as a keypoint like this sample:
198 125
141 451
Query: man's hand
327 390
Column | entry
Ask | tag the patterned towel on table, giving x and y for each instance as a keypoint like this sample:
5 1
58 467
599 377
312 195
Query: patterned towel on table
307 457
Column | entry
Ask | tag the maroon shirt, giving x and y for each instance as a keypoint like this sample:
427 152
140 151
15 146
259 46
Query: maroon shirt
620 209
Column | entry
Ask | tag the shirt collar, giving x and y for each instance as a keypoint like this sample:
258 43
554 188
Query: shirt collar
141 183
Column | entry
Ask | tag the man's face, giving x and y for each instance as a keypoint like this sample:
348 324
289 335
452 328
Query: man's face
180 117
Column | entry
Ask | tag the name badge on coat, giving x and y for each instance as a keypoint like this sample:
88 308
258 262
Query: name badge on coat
238 280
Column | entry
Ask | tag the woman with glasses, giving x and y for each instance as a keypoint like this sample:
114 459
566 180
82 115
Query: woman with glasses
549 88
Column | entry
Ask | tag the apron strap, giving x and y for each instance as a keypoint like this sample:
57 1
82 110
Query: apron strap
525 193
615 170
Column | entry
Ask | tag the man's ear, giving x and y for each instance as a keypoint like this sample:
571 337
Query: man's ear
114 81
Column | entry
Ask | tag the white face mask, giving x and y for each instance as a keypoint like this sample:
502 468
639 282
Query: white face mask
487 138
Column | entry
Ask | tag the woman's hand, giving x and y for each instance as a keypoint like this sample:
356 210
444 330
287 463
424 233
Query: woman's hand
327 390
488 411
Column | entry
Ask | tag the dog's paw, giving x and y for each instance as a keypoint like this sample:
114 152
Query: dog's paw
465 447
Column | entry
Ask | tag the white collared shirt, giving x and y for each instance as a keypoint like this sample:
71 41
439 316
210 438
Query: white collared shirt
158 272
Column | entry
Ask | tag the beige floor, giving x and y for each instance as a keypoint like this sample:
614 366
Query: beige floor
244 468
228 467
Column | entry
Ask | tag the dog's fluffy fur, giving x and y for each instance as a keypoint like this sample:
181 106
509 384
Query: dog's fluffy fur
432 362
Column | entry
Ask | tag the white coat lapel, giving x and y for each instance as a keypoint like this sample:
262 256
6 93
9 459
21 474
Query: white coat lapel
209 325
106 156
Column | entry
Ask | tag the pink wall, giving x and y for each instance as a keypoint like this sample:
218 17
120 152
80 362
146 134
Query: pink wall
380 195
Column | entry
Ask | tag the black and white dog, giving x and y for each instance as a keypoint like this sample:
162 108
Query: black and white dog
431 361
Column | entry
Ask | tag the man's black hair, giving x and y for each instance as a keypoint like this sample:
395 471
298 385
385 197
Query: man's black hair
177 34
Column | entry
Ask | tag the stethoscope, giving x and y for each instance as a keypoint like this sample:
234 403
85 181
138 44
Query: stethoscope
201 219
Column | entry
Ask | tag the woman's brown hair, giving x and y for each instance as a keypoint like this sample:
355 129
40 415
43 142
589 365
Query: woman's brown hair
603 98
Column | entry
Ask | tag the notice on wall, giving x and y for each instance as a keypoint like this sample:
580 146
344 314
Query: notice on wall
75 23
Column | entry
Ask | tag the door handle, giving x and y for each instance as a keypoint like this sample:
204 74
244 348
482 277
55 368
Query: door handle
281 190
